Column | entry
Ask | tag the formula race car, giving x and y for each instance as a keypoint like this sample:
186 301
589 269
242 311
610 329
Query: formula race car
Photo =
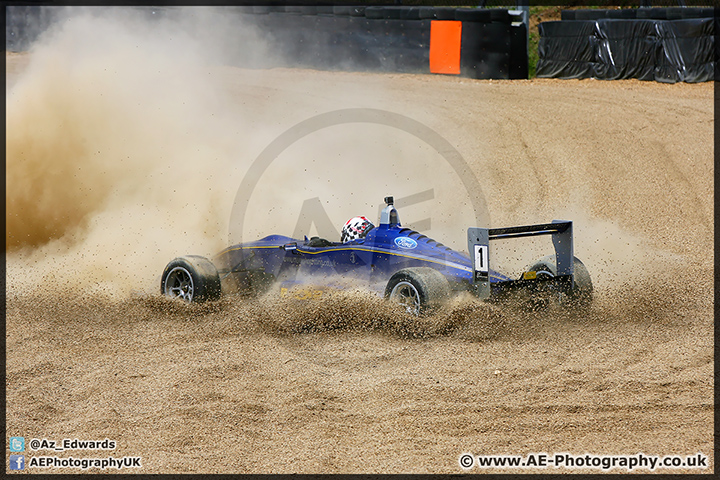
399 263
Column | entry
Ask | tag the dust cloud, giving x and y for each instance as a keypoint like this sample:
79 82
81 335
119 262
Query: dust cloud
123 153
350 168
120 148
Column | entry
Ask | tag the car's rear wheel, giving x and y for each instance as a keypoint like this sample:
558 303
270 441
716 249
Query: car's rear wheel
419 290
192 279
581 295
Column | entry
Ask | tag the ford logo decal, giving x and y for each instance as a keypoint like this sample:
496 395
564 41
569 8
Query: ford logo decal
405 242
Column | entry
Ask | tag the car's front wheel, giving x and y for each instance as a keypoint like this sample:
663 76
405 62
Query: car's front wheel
419 289
191 278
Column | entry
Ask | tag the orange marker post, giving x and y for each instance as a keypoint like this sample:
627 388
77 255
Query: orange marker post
445 46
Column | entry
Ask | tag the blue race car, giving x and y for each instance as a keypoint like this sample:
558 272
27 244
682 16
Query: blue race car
399 263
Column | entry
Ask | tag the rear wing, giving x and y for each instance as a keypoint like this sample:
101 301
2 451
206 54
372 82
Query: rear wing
479 247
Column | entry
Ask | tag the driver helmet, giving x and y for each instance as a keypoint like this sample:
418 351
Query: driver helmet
356 227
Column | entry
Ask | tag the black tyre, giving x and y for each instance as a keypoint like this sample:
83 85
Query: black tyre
500 15
581 296
192 278
473 15
445 13
410 13
374 12
590 14
394 13
659 13
357 11
341 10
420 290
426 12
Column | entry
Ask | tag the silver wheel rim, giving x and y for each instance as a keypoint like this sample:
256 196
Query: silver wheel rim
544 273
407 295
548 294
179 284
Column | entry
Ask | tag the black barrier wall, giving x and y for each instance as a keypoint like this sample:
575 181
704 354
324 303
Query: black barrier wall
387 39
676 13
24 23
612 48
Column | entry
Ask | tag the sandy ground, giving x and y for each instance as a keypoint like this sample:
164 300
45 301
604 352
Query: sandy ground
346 385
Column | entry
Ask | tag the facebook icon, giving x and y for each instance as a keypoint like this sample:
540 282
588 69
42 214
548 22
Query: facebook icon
17 462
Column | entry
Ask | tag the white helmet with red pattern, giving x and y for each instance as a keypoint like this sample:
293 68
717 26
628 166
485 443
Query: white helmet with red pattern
356 227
